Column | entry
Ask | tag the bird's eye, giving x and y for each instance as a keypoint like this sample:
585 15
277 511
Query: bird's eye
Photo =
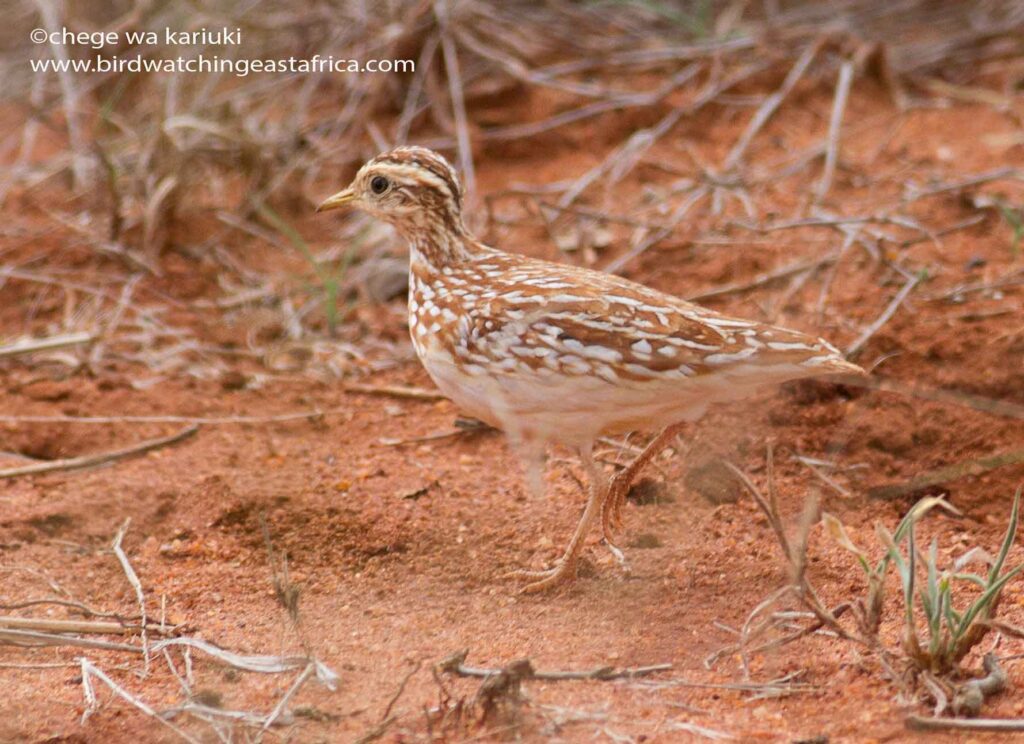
379 184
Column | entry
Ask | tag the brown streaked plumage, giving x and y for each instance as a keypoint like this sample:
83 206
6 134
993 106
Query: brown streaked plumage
555 353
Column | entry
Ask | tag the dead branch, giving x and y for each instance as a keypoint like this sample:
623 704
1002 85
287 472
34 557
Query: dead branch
399 691
824 477
394 391
78 606
884 318
133 580
639 142
78 626
86 461
948 473
674 220
286 592
771 105
977 179
768 278
971 695
767 507
598 215
275 714
939 395
590 110
377 731
28 638
795 552
1004 725
455 91
32 345
50 13
258 664
89 670
386 719
788 682
173 419
455 664
463 426
835 123
1010 279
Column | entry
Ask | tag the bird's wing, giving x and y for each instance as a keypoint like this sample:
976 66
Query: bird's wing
541 316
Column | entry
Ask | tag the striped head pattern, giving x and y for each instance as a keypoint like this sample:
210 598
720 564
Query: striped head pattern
415 190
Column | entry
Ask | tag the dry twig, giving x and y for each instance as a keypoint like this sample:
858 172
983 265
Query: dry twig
394 391
884 318
948 473
77 626
86 461
761 280
835 123
133 579
998 725
32 345
455 664
770 105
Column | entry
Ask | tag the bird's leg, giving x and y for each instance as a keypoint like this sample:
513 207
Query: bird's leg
565 569
597 478
611 508
530 449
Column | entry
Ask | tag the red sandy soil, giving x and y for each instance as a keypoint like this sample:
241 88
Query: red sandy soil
400 551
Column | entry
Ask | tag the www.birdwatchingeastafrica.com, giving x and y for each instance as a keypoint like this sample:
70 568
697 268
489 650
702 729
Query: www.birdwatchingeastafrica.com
238 67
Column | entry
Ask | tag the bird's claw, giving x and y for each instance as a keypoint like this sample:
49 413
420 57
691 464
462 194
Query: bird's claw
620 557
562 572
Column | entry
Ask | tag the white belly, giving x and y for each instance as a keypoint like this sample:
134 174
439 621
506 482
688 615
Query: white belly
554 408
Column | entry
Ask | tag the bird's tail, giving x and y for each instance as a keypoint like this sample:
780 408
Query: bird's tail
839 366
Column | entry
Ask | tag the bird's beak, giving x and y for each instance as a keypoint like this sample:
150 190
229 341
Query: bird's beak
338 200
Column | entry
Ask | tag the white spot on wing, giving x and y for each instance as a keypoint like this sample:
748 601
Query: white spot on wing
729 358
601 353
729 322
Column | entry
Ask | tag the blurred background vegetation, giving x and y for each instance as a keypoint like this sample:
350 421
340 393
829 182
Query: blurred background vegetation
137 176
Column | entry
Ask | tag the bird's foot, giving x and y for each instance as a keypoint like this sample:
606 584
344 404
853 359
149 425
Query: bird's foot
562 572
620 557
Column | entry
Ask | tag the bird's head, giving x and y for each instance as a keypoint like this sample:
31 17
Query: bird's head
413 188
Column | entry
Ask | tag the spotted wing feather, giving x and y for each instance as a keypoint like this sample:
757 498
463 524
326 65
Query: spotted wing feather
542 317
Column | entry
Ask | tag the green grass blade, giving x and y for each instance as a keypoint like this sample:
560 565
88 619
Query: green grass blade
917 511
953 617
982 603
274 220
906 572
1011 534
933 578
837 531
973 578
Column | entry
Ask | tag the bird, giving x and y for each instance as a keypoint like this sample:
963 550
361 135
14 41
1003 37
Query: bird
552 353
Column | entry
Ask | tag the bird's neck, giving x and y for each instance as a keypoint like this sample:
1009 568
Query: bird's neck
439 243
